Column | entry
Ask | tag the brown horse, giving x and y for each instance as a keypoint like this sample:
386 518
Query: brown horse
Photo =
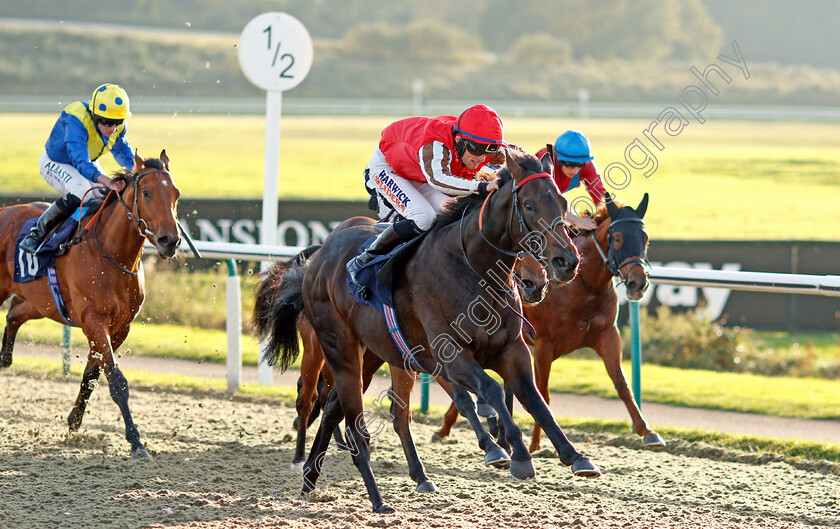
583 312
457 325
316 379
100 278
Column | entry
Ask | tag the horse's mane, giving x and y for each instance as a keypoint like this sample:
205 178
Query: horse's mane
128 176
456 209
601 212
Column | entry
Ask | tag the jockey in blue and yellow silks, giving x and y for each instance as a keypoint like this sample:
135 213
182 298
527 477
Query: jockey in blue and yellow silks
83 132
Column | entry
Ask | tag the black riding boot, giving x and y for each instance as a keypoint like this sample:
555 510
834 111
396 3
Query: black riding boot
403 230
49 220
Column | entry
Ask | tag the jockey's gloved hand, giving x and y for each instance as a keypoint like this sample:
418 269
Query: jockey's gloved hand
485 188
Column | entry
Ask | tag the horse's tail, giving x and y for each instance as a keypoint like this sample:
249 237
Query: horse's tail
277 307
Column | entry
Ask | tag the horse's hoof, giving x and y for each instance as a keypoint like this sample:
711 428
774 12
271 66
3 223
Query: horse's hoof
436 438
297 467
522 469
140 453
74 422
584 468
497 458
384 509
426 486
654 440
5 361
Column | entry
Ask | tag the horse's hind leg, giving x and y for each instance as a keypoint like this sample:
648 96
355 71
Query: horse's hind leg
89 378
312 364
402 383
449 419
19 313
493 454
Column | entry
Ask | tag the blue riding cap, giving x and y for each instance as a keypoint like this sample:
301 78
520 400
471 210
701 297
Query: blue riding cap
573 146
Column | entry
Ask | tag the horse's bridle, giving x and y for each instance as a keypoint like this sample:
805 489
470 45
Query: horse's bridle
138 222
523 226
611 258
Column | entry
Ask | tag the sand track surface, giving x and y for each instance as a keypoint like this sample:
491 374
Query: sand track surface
223 462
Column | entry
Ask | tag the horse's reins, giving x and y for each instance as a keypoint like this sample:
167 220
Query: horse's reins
610 259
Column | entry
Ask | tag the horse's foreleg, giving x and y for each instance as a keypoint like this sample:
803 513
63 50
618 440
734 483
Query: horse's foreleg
118 385
515 367
89 378
470 375
609 348
19 313
543 355
401 385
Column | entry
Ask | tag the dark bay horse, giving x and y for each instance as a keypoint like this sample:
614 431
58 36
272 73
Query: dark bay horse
583 312
456 325
316 379
100 278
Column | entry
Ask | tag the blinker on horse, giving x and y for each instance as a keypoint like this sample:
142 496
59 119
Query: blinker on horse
447 271
100 278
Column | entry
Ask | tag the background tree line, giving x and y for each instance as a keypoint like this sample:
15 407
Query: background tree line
620 50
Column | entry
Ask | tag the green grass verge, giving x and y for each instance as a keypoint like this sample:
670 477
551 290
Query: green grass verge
806 398
794 449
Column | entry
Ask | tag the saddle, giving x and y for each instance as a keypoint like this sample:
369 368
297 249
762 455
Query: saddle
378 276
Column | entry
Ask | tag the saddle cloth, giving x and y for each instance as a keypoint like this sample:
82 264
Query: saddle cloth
29 267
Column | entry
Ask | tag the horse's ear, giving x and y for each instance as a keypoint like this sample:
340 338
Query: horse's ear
138 161
547 161
642 208
512 166
612 209
164 158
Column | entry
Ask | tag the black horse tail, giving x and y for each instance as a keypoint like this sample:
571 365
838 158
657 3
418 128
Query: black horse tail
278 305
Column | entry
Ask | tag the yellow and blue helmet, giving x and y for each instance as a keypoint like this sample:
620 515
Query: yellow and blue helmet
109 101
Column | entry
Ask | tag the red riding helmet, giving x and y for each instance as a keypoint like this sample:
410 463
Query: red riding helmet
481 128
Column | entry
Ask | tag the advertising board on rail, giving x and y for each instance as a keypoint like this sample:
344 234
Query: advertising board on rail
304 223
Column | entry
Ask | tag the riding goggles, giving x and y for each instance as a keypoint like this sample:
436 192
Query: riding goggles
572 165
109 122
478 149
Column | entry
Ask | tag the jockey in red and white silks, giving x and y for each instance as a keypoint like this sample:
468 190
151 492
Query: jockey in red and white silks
422 162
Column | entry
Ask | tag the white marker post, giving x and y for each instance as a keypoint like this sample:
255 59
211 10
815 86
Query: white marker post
275 53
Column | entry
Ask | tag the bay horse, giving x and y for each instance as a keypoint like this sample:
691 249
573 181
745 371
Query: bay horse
583 312
316 380
457 326
100 278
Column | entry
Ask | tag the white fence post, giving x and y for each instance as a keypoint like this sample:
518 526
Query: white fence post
233 296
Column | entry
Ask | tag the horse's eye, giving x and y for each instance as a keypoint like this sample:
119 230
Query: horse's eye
528 205
146 193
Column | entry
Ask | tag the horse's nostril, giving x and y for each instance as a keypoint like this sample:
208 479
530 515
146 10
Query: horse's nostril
528 284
